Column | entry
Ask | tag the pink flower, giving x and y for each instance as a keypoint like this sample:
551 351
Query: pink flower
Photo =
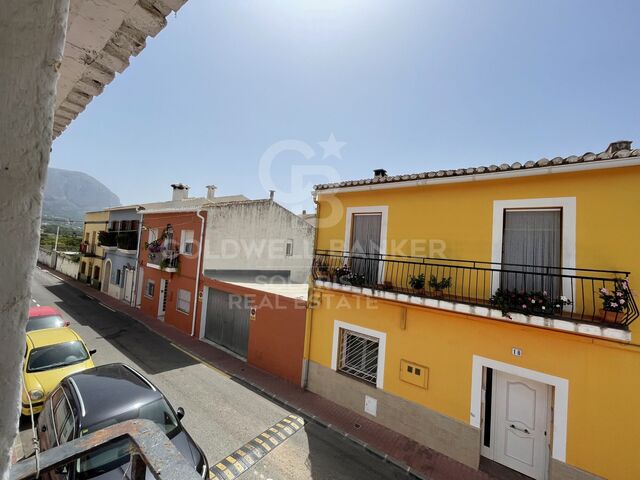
621 301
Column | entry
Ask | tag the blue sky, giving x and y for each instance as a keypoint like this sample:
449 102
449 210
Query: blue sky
408 85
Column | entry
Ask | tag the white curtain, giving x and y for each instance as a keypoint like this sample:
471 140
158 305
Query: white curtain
365 240
532 238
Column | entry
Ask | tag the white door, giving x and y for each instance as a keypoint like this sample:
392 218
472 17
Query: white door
128 284
520 424
162 303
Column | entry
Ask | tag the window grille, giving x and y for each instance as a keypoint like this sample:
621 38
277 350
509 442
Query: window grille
359 355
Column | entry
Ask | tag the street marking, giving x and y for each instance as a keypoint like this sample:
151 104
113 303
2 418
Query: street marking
105 306
217 370
235 464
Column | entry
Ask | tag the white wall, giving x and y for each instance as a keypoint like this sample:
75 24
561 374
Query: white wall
252 236
66 264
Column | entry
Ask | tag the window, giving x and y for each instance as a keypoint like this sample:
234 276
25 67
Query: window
134 225
151 288
288 251
115 225
124 225
153 234
186 242
184 301
117 277
56 356
358 355
83 268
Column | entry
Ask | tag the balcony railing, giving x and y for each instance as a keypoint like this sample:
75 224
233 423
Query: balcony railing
127 239
151 454
165 259
600 297
107 238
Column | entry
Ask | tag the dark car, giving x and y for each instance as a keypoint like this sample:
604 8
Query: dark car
93 399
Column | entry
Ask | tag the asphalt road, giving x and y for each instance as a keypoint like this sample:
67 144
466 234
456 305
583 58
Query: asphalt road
221 414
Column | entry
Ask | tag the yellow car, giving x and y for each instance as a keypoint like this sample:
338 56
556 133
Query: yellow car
52 354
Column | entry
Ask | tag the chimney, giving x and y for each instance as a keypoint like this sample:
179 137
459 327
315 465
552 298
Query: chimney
304 212
211 192
619 145
180 191
379 173
271 194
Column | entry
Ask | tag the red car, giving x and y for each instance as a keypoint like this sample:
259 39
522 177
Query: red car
45 317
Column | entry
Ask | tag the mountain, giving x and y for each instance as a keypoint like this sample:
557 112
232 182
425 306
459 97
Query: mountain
69 194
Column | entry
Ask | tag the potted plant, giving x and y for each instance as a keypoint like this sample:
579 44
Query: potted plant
323 270
417 282
615 303
345 276
529 303
439 286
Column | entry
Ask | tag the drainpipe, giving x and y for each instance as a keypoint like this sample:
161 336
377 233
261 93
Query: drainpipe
134 287
134 299
195 297
307 347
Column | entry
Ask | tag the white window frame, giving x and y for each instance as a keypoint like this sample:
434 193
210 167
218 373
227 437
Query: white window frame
568 206
183 242
560 398
288 247
187 302
382 342
146 288
153 235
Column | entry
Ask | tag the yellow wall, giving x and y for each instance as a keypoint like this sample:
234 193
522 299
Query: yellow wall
604 376
95 222
604 381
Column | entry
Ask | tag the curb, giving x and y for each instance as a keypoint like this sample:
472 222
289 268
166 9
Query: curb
275 398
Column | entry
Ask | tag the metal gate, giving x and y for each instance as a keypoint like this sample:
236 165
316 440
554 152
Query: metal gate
227 321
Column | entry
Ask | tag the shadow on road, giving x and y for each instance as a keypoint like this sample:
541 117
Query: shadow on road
143 347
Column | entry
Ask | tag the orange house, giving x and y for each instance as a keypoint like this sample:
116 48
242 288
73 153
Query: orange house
169 263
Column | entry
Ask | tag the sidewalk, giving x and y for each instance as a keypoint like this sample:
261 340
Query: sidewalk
418 460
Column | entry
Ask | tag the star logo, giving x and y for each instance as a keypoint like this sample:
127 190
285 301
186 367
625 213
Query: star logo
332 147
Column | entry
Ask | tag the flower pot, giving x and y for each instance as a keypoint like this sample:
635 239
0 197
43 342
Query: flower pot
612 317
419 292
438 293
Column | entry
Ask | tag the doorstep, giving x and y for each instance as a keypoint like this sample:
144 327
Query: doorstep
416 459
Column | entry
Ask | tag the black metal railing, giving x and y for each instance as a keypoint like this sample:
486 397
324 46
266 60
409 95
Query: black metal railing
150 451
127 240
165 259
595 296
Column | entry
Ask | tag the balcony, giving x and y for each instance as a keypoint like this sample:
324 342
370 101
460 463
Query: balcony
152 455
164 259
88 249
108 239
595 302
127 240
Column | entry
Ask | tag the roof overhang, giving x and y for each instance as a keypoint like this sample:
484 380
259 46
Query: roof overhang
500 175
101 37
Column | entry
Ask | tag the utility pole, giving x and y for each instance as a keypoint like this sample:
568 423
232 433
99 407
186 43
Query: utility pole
55 247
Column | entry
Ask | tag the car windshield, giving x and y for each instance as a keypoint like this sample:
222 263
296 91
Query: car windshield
116 454
56 356
47 321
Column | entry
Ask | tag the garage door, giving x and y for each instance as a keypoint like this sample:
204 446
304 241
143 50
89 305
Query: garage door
227 321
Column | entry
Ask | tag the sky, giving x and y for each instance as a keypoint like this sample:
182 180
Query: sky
259 95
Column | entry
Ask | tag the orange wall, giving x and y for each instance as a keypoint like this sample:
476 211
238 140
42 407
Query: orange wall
276 335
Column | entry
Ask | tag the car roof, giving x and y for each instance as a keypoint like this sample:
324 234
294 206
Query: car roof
51 336
109 392
43 311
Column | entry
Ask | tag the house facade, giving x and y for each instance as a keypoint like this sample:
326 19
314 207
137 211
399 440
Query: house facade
486 312
119 242
90 249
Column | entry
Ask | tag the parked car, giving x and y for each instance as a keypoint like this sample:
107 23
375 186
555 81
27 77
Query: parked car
45 317
96 398
51 355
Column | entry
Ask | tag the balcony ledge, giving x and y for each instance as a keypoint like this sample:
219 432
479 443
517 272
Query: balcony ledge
127 252
157 267
108 248
569 326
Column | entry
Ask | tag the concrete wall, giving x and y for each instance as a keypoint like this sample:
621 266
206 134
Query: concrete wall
59 261
252 236
447 435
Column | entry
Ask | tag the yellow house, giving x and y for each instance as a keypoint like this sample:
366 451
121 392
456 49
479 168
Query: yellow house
92 252
465 310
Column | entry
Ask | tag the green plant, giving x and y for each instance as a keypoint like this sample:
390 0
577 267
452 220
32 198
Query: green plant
529 303
345 276
417 282
618 300
439 285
